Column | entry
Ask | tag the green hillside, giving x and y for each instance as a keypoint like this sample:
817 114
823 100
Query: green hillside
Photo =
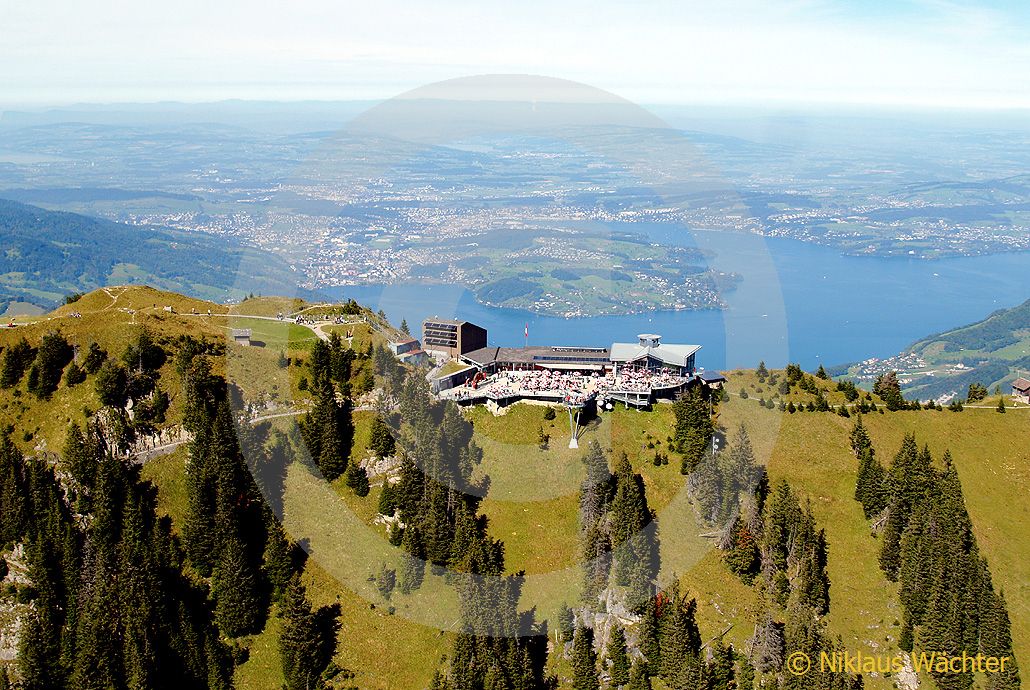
532 504
50 254
991 352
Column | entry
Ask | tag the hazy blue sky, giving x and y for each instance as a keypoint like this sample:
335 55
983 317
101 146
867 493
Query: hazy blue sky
922 52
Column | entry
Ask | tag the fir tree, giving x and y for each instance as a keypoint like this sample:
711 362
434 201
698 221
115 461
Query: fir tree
889 389
584 660
976 392
566 626
720 674
301 652
638 677
111 384
679 637
327 430
745 673
742 557
53 354
414 566
387 501
694 428
74 375
234 587
16 359
649 640
998 643
635 558
616 653
357 479
38 652
278 559
870 490
382 442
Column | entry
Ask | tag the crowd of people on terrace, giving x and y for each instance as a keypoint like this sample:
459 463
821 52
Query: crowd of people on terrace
572 387
636 380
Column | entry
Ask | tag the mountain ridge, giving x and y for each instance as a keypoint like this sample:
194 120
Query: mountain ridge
50 254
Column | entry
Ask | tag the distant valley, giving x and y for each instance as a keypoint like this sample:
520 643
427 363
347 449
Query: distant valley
48 255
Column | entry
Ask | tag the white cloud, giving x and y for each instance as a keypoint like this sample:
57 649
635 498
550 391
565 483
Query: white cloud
931 52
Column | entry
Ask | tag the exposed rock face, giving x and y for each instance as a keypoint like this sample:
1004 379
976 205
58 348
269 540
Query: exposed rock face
381 467
907 678
611 610
12 613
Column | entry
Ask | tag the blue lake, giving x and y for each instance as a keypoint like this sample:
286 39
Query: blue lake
797 302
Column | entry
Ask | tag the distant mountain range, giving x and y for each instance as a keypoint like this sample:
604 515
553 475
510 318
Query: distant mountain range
993 352
46 255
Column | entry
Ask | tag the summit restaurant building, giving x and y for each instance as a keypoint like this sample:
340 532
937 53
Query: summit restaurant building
636 374
649 353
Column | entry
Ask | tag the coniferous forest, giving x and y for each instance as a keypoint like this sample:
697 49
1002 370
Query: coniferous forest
928 547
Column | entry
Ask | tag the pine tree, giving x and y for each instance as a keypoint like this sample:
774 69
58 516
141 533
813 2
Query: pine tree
584 660
616 653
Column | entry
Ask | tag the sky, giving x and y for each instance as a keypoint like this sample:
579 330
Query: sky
922 53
